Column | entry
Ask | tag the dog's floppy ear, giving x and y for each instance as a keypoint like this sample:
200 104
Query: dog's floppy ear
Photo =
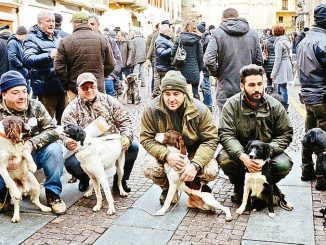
267 149
80 136
248 146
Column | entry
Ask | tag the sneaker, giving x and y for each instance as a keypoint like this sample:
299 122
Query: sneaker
54 201
308 177
124 183
83 185
320 184
236 197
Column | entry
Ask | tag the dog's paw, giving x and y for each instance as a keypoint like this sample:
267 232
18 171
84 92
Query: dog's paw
96 208
160 212
89 192
228 216
111 211
45 209
123 193
15 219
240 210
271 215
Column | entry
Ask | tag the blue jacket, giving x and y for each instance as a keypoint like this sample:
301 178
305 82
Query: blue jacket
37 49
163 52
312 64
15 55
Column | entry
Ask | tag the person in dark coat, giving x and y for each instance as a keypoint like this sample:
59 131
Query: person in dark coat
232 45
268 42
127 50
194 59
58 20
4 64
40 51
16 52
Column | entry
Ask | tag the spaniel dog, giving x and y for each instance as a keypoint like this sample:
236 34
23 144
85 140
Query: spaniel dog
17 165
199 197
130 92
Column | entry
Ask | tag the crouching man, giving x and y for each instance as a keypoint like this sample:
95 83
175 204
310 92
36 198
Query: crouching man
174 109
253 115
83 110
40 141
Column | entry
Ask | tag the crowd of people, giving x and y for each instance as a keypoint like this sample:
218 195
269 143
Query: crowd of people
50 77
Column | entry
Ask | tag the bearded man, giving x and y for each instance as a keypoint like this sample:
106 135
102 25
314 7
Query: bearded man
253 115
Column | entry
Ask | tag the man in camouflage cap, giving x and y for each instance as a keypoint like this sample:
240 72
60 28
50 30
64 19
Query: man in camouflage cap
83 110
40 140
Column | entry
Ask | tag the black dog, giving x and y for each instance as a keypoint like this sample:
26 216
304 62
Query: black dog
263 189
75 132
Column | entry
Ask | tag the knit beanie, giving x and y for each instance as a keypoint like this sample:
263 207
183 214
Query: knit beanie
201 27
11 79
174 80
320 15
21 30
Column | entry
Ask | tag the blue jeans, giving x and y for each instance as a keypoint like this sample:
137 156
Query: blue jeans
73 165
50 159
207 92
283 91
109 86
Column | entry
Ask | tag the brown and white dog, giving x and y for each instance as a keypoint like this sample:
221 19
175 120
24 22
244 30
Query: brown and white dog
198 198
17 165
130 92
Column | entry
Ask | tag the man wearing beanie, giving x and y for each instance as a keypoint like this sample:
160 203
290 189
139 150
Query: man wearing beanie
40 140
174 109
312 76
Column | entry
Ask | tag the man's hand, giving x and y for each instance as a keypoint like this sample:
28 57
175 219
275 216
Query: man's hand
250 164
176 161
70 144
125 143
28 146
189 173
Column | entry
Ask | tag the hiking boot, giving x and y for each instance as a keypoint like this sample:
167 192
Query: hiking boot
5 202
124 183
320 183
54 201
308 177
236 197
83 185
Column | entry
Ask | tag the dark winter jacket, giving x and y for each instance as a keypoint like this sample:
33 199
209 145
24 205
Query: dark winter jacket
232 46
140 49
194 59
118 60
84 51
204 41
163 53
150 46
15 55
127 50
37 49
4 63
268 65
312 64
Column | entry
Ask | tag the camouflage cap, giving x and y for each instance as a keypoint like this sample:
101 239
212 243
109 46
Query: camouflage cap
85 77
80 17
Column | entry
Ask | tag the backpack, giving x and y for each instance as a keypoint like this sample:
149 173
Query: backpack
180 55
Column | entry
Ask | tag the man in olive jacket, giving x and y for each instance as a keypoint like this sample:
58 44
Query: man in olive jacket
175 110
253 115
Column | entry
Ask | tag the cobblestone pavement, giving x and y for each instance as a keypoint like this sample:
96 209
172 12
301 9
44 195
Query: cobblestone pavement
82 226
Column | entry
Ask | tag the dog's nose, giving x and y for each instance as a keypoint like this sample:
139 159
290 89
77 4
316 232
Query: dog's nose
251 156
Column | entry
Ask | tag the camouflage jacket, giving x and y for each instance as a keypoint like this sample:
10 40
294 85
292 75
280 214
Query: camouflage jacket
36 116
82 113
240 123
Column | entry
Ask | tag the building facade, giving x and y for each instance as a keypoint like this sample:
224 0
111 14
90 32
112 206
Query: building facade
305 13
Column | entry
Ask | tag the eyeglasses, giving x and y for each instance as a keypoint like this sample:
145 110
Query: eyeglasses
86 88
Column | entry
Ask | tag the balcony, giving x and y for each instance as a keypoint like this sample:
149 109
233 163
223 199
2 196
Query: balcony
10 3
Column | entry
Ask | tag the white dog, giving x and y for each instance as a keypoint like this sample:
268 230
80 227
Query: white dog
17 166
97 155
198 198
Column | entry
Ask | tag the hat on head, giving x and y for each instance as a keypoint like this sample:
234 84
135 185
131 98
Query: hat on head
211 27
21 30
174 80
166 22
306 29
201 27
80 17
86 77
320 15
11 79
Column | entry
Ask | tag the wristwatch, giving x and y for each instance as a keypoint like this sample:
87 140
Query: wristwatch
197 166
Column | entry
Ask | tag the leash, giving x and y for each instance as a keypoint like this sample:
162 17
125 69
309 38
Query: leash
4 200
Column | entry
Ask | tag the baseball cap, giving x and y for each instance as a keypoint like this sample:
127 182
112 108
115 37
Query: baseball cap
86 77
80 17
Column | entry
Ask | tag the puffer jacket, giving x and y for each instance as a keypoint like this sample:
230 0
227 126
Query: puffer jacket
117 55
37 48
312 64
42 131
204 41
282 69
4 63
232 46
163 53
269 63
241 123
198 129
140 49
83 51
194 59
15 55
127 50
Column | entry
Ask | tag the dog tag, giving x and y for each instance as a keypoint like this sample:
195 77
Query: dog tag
32 122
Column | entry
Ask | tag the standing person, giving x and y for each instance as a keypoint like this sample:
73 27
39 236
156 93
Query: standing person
163 57
16 52
112 82
312 75
302 35
83 110
140 56
253 115
232 45
282 71
4 63
40 140
206 84
127 50
83 51
58 21
193 64
175 109
268 44
40 52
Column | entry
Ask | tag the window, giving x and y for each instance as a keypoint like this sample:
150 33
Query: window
280 19
285 5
